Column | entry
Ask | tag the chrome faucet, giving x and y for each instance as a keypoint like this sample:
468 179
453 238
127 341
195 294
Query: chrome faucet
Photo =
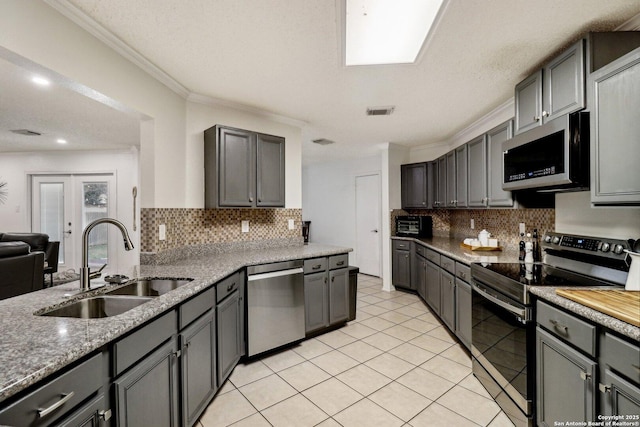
85 278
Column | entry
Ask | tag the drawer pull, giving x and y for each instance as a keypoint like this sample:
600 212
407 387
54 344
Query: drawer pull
105 415
316 267
585 376
46 411
340 263
559 326
231 286
604 388
462 275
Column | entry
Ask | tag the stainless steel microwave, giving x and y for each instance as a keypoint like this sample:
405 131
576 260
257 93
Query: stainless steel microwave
414 226
552 157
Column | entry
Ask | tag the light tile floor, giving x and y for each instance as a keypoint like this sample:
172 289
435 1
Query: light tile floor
395 365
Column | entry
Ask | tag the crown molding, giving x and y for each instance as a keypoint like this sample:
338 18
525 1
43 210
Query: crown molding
490 120
108 38
632 24
217 102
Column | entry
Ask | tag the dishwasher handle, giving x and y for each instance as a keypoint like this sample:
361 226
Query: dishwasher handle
273 274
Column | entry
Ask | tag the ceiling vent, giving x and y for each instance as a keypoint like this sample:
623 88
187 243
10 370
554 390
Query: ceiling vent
26 132
323 141
380 111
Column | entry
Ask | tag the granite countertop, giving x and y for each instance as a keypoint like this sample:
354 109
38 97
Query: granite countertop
451 248
33 347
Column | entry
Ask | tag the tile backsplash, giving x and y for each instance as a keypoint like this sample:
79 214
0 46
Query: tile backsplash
503 224
187 227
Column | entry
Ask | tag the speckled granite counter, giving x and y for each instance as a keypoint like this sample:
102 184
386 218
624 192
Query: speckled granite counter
33 347
451 248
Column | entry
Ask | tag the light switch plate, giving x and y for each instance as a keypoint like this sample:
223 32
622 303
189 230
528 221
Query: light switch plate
473 223
245 226
291 224
162 232
522 229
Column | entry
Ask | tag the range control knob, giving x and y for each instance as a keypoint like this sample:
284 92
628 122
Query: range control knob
605 247
547 239
556 240
617 249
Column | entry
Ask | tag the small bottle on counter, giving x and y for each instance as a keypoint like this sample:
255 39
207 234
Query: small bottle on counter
536 246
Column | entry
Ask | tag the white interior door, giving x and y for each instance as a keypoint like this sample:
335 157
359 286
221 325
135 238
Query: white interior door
368 231
63 205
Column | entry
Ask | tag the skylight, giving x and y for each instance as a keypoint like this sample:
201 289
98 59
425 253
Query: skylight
387 31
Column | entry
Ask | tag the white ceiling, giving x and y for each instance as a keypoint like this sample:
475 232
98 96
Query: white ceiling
284 57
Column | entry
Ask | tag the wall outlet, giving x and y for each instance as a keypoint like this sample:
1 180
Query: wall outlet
473 223
245 226
162 232
291 224
522 229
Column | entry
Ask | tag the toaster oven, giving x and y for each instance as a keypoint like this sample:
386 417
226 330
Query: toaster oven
414 226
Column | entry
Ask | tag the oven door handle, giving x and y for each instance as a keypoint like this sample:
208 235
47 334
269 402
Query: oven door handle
521 312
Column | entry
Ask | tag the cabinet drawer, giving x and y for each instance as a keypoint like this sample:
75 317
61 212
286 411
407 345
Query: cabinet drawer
421 250
315 265
568 327
448 264
463 271
134 347
196 307
401 245
338 261
228 285
621 356
70 388
433 256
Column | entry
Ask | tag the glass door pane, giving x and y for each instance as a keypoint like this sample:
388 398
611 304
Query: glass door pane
95 205
52 213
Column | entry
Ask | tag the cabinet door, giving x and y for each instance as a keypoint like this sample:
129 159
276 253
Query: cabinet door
421 276
461 176
236 168
148 394
448 299
228 335
442 182
433 286
93 414
619 396
270 171
401 269
316 301
495 137
528 100
338 295
198 367
615 175
564 83
414 186
565 382
450 198
463 312
477 149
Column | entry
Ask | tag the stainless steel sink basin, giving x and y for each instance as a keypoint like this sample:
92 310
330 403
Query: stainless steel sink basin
149 287
97 307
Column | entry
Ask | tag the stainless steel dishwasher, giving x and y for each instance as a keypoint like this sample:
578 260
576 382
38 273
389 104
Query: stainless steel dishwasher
275 305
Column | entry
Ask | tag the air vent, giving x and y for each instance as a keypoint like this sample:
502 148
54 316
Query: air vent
380 111
323 141
26 132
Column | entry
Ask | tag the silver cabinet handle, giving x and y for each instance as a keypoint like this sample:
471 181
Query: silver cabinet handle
46 411
585 376
536 118
559 326
604 388
105 415
340 263
545 114
250 199
231 286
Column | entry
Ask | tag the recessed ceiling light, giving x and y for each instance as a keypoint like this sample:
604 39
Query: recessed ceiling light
61 141
40 81
387 31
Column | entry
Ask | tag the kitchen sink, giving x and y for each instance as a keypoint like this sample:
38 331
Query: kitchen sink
149 287
98 307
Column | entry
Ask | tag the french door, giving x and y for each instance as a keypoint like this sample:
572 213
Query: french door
63 205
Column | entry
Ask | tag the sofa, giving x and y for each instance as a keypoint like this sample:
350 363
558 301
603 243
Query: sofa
21 270
38 242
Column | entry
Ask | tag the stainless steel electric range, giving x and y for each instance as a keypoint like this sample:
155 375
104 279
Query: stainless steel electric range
503 329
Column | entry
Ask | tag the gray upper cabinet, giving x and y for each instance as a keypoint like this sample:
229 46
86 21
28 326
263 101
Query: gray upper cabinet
557 89
450 187
441 193
477 171
615 175
243 168
462 161
414 181
496 196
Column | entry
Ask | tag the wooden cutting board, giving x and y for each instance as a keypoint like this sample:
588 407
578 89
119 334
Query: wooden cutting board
623 305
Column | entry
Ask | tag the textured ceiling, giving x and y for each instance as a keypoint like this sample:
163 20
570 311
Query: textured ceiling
284 57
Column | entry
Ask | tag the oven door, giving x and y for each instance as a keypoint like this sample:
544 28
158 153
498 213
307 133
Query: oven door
503 340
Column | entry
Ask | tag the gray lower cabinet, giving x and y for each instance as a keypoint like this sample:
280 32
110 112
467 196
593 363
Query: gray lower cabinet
619 383
228 334
198 367
565 382
433 286
615 176
463 304
448 299
401 264
421 276
619 395
92 414
338 295
316 301
148 394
